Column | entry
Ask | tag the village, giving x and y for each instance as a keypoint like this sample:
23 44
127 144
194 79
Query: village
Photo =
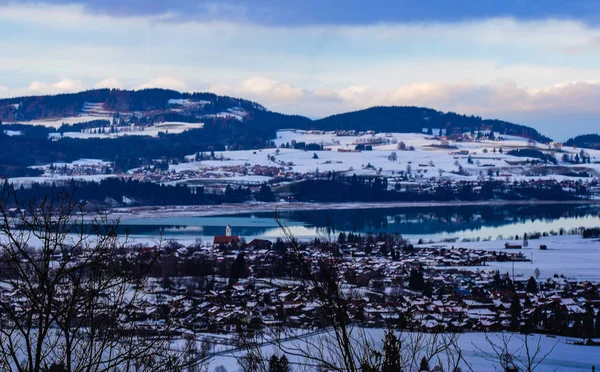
386 283
409 160
230 285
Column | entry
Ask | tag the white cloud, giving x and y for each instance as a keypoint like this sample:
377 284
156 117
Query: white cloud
490 99
163 82
500 67
109 83
62 86
261 88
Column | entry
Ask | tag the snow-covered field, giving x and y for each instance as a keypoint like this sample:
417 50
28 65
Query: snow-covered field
80 170
57 122
75 164
170 127
569 255
425 162
27 181
96 111
476 350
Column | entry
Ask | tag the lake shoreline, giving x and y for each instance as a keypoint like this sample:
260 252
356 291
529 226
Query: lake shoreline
275 207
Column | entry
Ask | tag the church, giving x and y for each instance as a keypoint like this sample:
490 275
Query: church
226 240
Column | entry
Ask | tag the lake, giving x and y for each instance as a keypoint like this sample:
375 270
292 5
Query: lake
411 222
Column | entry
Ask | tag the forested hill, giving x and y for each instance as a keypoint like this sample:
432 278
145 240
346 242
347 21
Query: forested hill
146 102
588 141
410 119
155 105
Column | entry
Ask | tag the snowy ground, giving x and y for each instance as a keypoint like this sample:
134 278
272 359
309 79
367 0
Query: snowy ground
76 164
96 111
569 255
170 127
58 122
27 181
476 351
425 162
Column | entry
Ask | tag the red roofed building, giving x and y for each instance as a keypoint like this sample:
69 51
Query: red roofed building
226 240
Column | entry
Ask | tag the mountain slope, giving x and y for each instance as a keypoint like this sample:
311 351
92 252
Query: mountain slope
157 105
147 102
588 141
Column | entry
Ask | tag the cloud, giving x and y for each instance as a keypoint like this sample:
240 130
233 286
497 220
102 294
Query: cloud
494 99
534 71
261 88
504 99
109 83
62 86
163 82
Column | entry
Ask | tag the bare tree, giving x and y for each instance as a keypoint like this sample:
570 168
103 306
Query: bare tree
71 292
342 345
515 352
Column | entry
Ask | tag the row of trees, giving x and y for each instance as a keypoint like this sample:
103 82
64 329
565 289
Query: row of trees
109 191
333 188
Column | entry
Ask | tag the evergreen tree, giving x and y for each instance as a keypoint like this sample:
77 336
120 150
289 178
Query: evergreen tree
428 289
598 324
515 311
415 280
588 322
284 365
424 365
532 285
274 364
238 269
279 364
391 353
279 245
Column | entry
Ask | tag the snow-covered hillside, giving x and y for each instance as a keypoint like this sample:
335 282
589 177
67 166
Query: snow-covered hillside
430 157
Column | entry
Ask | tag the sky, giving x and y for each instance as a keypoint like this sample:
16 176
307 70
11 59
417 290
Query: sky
530 62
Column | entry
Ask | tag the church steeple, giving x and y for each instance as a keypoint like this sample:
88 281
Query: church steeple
228 230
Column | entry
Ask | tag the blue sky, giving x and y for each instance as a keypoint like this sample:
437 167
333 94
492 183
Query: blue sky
532 62
311 12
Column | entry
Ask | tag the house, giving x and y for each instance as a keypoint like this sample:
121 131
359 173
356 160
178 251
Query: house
226 240
260 244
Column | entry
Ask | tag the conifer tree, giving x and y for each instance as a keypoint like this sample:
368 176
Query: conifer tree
391 353
424 365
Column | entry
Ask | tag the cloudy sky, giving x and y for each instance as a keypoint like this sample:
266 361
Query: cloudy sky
532 62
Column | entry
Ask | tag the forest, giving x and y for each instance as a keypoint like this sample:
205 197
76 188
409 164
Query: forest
589 141
116 191
375 189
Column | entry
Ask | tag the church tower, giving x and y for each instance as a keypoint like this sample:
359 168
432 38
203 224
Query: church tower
228 230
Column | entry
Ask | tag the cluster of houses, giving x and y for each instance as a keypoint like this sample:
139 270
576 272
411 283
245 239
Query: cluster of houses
377 277
210 172
91 169
232 286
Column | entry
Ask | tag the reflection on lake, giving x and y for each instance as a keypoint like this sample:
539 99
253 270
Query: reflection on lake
411 222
